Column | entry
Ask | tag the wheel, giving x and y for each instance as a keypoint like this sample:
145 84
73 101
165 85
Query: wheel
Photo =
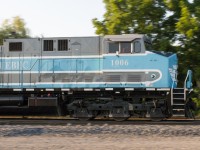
120 114
157 119
84 118
156 114
84 114
120 118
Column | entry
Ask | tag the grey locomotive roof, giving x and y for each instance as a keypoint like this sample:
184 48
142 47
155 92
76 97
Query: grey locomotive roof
86 45
62 37
124 37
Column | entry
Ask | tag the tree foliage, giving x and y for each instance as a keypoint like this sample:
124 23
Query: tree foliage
174 25
14 28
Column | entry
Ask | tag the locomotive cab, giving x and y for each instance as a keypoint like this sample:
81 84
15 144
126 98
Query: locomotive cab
125 44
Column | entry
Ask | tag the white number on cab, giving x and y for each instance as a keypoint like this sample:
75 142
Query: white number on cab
120 62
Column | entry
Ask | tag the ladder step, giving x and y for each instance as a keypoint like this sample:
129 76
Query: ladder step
178 98
179 93
178 103
178 107
178 115
178 112
179 90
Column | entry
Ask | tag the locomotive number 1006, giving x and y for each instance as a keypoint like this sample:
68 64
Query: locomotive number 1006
120 62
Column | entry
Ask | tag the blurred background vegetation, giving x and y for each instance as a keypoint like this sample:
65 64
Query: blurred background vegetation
173 25
14 28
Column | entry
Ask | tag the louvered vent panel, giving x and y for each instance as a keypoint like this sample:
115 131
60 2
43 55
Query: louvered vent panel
113 78
134 78
65 80
88 79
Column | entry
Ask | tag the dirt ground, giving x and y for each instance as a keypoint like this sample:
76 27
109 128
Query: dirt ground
114 137
106 142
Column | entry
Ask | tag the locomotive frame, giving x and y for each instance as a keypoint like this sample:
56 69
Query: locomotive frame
115 76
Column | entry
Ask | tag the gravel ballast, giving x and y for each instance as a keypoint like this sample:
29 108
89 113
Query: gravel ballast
98 137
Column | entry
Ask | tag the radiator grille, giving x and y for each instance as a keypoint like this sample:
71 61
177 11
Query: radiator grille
88 79
65 80
134 78
113 78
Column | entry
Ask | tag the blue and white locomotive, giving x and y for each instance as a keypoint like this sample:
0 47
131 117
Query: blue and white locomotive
116 76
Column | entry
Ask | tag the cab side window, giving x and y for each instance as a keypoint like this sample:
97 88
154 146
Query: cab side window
125 47
113 47
137 47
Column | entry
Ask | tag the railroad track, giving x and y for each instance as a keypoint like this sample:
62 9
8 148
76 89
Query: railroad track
27 120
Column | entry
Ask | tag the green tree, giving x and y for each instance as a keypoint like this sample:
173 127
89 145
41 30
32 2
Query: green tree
188 27
127 16
14 28
139 16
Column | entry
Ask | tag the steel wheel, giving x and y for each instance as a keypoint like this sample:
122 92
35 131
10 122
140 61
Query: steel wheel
120 118
84 114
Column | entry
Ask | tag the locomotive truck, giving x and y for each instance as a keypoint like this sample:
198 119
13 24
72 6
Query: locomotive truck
112 76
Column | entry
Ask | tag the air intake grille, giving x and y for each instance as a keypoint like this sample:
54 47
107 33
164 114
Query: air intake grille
88 79
113 78
65 80
134 78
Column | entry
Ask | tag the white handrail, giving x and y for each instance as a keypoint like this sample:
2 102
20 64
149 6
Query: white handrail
172 97
185 82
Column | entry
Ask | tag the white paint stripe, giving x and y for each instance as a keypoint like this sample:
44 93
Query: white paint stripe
109 89
150 89
29 89
17 84
133 54
129 89
49 89
68 57
88 89
73 83
163 89
132 70
53 83
17 89
65 89
50 57
36 72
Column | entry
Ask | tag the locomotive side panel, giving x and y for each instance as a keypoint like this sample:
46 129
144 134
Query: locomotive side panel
125 63
22 47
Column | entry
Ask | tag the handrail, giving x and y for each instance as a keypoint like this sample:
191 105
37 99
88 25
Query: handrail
189 72
185 82
173 84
